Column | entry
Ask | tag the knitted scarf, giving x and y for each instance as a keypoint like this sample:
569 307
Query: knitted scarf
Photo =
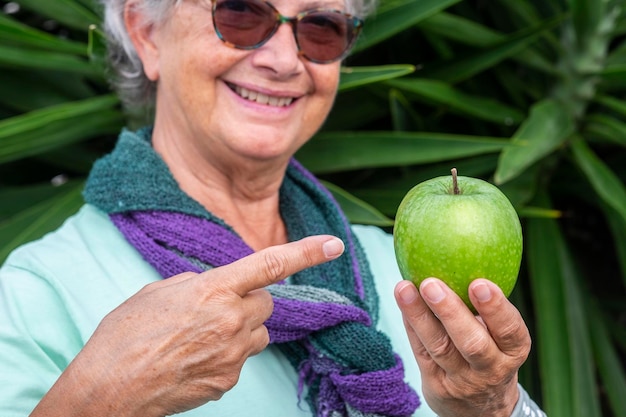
324 317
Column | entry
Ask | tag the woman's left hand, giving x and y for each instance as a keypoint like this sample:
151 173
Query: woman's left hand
468 363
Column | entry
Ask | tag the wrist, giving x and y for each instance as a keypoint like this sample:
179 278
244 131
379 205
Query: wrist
87 389
526 406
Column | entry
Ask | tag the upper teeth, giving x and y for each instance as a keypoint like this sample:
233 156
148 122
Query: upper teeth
263 98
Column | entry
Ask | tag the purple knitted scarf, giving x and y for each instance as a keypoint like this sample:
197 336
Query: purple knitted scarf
323 319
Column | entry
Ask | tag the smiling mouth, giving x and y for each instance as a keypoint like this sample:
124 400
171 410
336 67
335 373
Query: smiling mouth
261 98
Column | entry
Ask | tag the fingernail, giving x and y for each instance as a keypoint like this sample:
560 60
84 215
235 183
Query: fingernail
333 248
432 291
408 293
482 292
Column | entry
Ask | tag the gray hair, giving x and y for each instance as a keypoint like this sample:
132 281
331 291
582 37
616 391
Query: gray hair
134 88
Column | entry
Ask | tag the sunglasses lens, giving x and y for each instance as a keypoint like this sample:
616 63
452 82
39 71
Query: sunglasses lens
244 23
325 36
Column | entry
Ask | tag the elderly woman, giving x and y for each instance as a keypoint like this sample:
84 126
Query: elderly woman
272 304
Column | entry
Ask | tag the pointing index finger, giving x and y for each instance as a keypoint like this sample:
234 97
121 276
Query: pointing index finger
276 263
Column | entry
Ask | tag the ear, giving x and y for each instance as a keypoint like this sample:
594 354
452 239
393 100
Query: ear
143 38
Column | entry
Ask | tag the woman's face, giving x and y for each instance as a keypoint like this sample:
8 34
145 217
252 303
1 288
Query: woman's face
230 104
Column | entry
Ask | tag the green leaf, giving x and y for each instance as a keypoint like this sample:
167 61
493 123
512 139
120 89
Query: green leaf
397 16
403 116
14 31
13 57
352 77
609 364
566 361
50 128
67 12
547 127
462 30
542 248
455 100
354 109
585 397
617 226
16 199
39 89
40 219
341 151
357 211
608 186
466 67
539 213
612 103
522 189
40 118
586 15
606 127
97 46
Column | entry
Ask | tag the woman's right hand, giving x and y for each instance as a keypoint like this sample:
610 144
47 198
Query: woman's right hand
180 342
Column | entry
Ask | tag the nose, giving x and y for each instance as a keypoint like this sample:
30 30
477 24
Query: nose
280 53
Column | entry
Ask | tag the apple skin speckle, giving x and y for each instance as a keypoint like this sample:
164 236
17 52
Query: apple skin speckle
458 237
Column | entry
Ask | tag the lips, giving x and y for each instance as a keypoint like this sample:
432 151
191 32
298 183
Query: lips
261 98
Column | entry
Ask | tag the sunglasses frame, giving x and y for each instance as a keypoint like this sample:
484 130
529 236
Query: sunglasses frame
357 26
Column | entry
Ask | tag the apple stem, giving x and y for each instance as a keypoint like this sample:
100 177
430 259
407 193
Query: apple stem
455 183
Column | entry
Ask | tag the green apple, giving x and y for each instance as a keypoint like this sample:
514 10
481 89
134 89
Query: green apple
458 229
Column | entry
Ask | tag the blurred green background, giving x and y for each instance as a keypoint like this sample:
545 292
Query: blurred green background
527 94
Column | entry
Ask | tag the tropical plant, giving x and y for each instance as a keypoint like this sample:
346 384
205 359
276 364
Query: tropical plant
528 94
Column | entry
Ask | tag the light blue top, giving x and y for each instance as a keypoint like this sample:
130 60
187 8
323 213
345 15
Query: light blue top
55 291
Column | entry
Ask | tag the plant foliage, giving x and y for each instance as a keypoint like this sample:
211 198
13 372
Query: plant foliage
528 94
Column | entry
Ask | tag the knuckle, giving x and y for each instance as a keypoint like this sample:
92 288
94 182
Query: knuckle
230 326
512 331
474 346
308 257
441 347
227 381
274 266
264 340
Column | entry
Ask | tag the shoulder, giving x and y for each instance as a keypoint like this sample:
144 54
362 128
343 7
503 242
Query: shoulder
77 235
374 232
86 260
378 247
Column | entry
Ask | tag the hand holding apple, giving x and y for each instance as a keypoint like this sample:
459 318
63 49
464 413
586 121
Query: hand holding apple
458 229
450 234
468 364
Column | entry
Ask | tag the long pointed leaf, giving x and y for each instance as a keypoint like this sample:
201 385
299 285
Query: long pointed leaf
21 58
547 127
467 67
50 128
552 339
39 220
608 186
340 151
612 103
607 128
609 364
394 17
586 15
352 77
457 101
67 12
40 118
618 230
358 211
14 31
585 398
